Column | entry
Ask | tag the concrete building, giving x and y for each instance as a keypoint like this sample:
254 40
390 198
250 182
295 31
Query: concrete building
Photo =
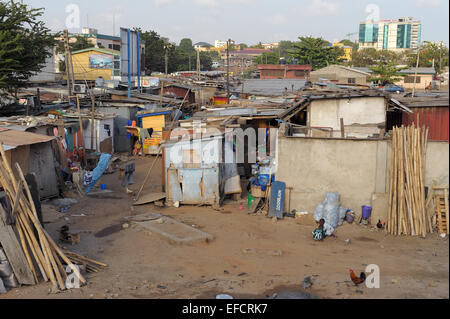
90 64
271 46
222 44
285 71
400 34
363 114
348 51
341 75
242 60
202 46
424 77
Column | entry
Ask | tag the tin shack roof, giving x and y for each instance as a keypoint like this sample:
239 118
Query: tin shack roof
14 138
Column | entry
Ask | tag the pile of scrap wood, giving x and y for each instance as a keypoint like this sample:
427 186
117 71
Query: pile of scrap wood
407 212
34 246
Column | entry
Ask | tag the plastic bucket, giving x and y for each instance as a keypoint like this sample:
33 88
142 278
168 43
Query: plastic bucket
366 212
103 187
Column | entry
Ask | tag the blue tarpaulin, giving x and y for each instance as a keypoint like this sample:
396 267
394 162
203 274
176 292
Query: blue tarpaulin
98 171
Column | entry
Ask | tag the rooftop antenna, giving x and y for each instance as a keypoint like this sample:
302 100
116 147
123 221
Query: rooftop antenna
114 24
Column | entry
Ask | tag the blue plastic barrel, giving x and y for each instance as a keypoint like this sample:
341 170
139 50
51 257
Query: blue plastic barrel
366 212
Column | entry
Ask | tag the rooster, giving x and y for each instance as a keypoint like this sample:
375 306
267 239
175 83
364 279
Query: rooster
381 225
357 280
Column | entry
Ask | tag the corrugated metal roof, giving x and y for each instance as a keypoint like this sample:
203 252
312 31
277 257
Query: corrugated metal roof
14 138
406 71
276 87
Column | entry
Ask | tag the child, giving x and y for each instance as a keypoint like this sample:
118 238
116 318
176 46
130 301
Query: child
319 233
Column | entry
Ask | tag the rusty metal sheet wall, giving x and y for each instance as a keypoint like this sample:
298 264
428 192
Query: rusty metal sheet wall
436 118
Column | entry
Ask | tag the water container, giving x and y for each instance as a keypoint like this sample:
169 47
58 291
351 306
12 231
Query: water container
366 212
251 198
103 187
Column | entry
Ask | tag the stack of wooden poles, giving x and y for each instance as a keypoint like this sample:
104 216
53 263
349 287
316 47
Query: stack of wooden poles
407 212
36 243
92 266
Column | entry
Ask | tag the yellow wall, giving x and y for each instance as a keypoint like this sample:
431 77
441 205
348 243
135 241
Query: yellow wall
348 51
83 72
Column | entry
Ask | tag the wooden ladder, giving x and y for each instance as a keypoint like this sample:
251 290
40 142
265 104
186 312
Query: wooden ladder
442 211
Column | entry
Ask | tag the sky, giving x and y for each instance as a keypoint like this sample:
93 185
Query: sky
244 21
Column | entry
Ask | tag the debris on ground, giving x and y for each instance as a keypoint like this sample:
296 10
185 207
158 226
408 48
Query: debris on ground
307 283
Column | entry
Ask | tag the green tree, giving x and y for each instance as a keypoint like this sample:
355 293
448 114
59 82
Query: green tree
285 48
243 46
206 61
316 52
186 46
154 52
386 73
371 57
429 52
268 58
25 44
257 46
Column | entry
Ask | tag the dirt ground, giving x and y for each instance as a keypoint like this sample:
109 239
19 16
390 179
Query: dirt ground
251 256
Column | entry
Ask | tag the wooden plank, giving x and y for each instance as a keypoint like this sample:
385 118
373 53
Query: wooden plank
439 216
15 254
446 209
150 198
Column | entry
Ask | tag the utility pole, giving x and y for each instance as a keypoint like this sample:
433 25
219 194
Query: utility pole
198 65
69 66
415 75
92 118
82 133
166 58
228 71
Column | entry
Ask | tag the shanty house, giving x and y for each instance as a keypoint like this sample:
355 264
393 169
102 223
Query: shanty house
155 119
351 114
423 79
285 71
341 75
430 110
35 154
179 91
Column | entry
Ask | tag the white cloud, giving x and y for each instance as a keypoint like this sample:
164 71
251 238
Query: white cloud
428 3
56 24
323 8
277 19
164 3
207 3
212 4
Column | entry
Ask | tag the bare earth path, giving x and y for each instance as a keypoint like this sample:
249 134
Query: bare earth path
251 257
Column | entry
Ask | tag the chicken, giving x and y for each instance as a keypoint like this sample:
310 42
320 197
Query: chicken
381 225
357 280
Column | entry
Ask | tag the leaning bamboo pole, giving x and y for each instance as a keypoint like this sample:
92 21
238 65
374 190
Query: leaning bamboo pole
408 208
45 251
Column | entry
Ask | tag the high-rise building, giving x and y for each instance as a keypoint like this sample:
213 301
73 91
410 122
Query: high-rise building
399 34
